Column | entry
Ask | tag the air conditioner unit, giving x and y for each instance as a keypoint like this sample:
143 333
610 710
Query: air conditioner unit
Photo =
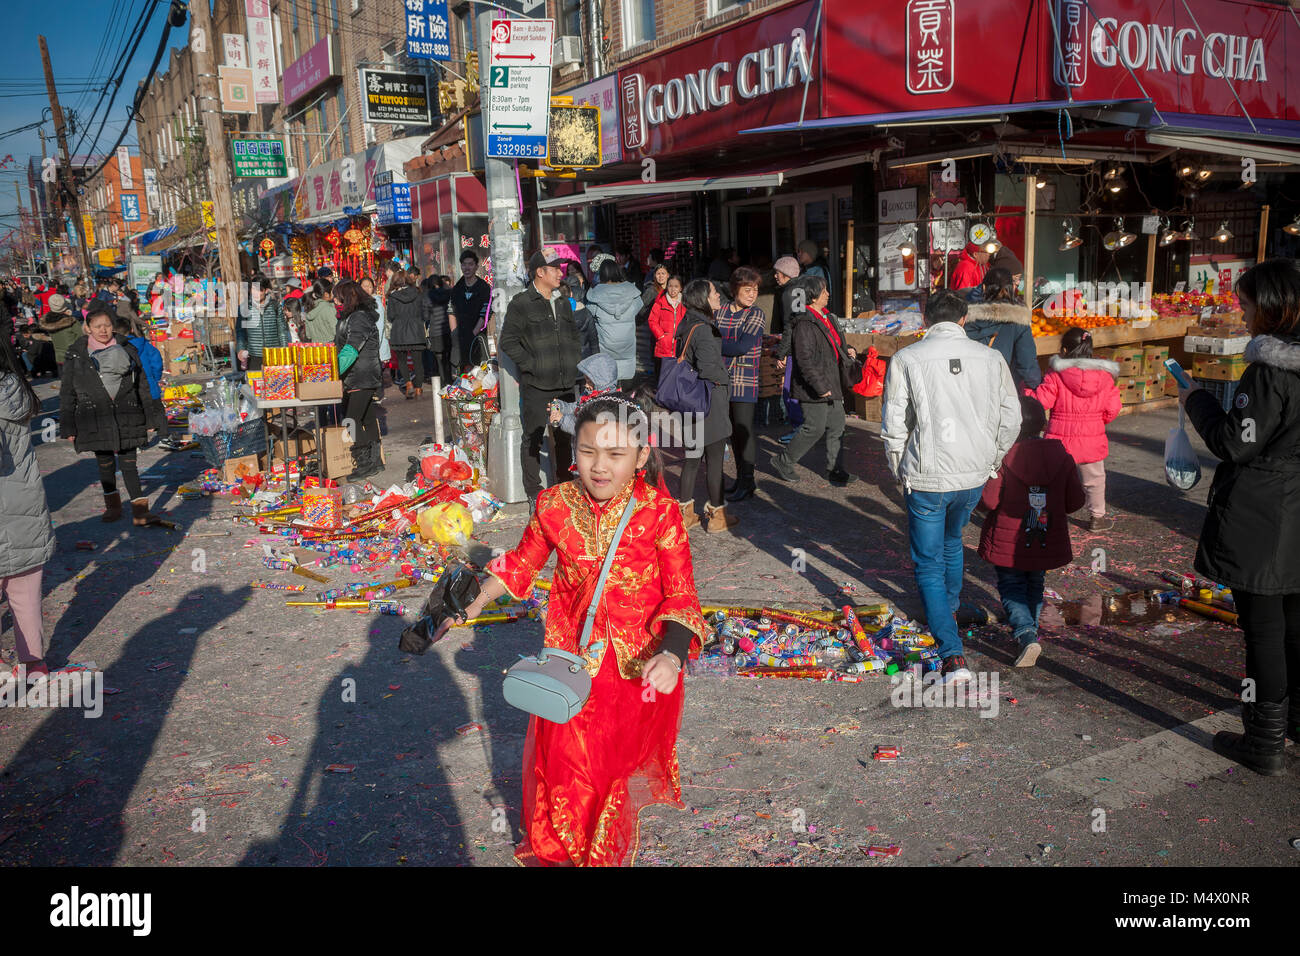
568 50
356 6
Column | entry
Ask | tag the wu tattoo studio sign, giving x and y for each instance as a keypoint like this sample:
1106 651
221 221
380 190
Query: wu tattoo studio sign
396 98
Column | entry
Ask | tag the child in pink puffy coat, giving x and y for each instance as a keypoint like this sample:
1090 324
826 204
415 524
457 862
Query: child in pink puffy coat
1081 393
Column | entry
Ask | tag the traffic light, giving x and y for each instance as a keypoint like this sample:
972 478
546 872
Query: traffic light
471 71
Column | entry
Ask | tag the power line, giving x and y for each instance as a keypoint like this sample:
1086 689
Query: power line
139 29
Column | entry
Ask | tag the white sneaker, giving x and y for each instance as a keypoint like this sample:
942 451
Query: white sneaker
1029 654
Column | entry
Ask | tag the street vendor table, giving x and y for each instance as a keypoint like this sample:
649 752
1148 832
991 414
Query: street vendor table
1109 336
289 408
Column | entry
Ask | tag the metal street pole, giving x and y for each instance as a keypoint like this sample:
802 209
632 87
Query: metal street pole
219 169
65 170
505 472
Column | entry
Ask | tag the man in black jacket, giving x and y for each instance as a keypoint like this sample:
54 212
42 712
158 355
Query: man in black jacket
469 298
825 370
541 337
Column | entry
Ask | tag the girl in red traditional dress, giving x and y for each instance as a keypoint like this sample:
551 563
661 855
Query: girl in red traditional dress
585 781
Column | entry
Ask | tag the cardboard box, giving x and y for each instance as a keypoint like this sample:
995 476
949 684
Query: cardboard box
1228 368
1153 388
304 435
236 468
1132 391
867 409
1200 342
1171 387
279 383
314 391
1130 360
336 452
1153 359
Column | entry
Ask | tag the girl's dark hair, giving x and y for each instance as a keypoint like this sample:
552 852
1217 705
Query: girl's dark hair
671 276
742 276
696 295
1077 343
349 296
998 286
1033 417
1274 287
11 365
611 271
635 412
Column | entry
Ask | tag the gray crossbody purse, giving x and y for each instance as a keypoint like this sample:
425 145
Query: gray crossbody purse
554 684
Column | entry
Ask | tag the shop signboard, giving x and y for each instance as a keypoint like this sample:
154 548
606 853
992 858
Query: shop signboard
143 269
393 200
701 93
896 215
258 156
397 98
427 29
130 207
310 71
261 51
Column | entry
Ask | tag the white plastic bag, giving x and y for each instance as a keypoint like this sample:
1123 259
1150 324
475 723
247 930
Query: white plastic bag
1182 467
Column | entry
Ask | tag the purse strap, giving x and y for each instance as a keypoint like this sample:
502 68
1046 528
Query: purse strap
687 344
604 573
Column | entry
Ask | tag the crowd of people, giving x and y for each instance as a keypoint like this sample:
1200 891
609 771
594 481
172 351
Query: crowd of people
968 422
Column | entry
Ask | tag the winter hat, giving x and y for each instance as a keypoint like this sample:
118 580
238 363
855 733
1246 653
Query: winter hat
810 247
787 266
601 369
58 303
294 283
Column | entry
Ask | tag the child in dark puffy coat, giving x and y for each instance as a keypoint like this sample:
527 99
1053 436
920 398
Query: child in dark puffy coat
1025 531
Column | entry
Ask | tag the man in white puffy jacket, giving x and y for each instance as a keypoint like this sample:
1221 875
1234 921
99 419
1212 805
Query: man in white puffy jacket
951 413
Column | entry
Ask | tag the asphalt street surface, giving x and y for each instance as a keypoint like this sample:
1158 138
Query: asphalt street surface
1097 757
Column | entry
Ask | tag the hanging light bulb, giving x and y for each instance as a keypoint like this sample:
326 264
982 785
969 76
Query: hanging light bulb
1224 234
1203 174
1168 234
1070 240
992 246
1118 238
1116 185
906 248
1188 231
1293 227
1039 183
1185 170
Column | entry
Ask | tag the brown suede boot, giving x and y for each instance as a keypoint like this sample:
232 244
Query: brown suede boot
717 519
689 516
112 508
141 515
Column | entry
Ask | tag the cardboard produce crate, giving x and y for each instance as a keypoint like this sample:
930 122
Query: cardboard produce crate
1228 368
1199 341
1153 359
1132 390
1131 360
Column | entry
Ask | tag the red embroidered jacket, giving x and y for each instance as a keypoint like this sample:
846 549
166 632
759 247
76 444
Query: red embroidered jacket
650 583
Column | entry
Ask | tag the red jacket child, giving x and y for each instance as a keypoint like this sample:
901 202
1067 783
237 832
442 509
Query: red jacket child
664 317
1082 396
1041 462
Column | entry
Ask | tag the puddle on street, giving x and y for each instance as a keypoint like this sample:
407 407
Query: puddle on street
1126 609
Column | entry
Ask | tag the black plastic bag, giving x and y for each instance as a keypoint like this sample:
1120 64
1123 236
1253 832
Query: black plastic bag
455 592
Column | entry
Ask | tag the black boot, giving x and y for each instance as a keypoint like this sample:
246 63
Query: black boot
1260 747
362 455
1293 717
744 486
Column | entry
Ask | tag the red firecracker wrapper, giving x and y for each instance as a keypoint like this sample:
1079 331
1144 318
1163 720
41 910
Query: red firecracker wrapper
320 372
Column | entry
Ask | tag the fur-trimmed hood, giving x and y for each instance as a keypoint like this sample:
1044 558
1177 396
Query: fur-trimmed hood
1009 312
1277 352
1059 364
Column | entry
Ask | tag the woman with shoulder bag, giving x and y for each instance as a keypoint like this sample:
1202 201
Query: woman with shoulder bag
357 339
105 406
1251 538
699 345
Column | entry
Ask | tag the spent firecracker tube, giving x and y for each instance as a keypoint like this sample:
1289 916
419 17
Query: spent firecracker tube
859 635
269 586
319 578
1205 610
277 565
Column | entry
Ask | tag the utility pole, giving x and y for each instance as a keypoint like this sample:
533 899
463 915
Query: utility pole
49 209
65 168
22 229
505 469
202 43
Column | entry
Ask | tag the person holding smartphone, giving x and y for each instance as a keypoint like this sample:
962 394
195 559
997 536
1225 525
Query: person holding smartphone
1251 538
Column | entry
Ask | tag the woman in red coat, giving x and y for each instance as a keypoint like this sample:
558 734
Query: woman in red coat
1025 532
1081 394
665 313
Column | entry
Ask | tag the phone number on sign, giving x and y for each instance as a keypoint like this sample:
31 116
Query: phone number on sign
428 49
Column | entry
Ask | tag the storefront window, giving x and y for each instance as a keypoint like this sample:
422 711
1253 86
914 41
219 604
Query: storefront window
721 6
785 240
570 18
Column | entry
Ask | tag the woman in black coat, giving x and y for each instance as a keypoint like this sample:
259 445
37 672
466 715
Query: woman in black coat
357 339
408 330
438 358
1251 538
699 344
105 406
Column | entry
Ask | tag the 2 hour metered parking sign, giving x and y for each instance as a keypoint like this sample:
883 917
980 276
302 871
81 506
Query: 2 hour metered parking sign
519 88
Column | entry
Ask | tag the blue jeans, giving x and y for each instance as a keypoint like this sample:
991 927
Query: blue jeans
935 520
1022 597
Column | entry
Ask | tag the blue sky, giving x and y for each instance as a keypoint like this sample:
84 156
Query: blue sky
86 38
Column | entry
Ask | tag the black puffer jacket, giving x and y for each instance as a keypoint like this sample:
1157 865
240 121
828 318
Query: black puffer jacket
361 331
408 315
818 367
100 423
1251 537
439 310
542 343
703 352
